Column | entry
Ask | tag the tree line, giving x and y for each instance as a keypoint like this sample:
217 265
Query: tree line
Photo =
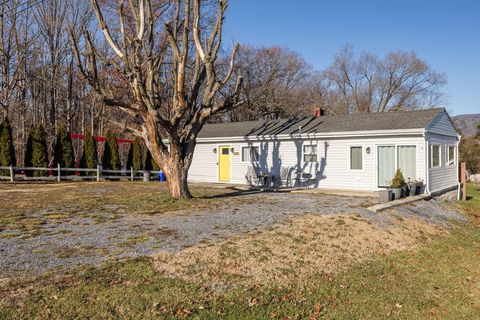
470 151
278 82
36 155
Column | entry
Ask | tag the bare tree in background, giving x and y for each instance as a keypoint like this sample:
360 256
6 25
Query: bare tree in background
51 20
9 66
399 81
274 82
167 55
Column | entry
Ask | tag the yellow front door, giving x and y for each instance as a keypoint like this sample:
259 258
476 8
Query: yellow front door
224 163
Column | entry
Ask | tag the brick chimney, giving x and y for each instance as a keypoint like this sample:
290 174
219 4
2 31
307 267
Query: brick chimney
318 112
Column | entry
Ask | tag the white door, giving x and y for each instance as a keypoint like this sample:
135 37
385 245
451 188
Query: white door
407 161
386 165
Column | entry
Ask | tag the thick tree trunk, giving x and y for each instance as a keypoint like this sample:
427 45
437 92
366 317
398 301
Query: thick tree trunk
174 162
177 177
176 170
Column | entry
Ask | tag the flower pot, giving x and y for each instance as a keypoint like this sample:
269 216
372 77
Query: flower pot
411 189
396 193
404 191
420 189
385 195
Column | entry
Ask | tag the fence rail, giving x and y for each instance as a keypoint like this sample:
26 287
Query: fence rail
59 174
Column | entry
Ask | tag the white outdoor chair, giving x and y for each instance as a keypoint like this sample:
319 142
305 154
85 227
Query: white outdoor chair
252 176
308 174
285 179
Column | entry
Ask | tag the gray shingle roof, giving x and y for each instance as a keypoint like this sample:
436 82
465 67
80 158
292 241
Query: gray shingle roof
353 122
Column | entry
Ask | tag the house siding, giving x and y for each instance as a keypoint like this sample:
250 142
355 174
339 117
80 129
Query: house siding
333 160
333 165
444 176
442 125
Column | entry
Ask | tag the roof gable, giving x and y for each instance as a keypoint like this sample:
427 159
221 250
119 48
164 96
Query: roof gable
442 124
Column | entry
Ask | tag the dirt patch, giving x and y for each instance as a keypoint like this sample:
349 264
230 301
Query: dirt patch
303 246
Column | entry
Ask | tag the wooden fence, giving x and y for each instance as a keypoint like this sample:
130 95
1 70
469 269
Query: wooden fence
78 174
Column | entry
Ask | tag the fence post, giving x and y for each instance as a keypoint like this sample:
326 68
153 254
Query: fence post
12 174
463 179
98 173
59 173
131 173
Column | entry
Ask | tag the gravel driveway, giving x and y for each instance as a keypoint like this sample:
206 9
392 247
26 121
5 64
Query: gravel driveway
83 241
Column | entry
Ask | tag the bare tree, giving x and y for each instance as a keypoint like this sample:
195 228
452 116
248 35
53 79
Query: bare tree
9 65
170 65
51 19
274 83
400 81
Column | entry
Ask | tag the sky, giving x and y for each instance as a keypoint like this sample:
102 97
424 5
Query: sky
444 33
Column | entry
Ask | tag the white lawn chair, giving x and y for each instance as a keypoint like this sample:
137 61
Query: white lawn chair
308 174
285 176
252 176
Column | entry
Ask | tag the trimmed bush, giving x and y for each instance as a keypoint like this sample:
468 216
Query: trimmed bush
110 159
135 155
398 180
150 163
7 151
89 157
36 151
63 152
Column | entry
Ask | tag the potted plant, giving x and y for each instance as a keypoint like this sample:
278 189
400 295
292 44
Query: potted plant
397 183
420 187
411 187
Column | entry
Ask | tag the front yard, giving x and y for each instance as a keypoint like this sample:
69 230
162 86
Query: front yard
131 252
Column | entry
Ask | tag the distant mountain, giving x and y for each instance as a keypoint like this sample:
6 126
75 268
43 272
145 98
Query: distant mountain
467 123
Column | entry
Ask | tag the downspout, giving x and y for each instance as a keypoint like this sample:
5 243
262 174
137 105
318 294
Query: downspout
458 163
427 164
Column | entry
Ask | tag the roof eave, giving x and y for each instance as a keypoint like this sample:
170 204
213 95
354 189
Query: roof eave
317 135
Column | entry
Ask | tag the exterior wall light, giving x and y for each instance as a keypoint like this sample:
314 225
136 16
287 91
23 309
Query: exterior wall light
367 150
214 150
232 150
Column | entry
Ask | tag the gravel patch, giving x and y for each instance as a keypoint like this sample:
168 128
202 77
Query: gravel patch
85 241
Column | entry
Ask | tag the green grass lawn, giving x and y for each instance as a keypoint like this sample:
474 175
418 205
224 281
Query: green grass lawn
472 205
439 281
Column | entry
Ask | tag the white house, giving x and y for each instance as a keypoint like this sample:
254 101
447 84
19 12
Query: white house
355 152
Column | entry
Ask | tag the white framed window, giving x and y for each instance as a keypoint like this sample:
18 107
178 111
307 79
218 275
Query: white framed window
356 158
310 153
250 154
435 157
451 152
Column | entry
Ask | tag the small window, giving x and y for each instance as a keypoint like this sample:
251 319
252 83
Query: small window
250 154
224 150
451 155
310 153
434 156
356 158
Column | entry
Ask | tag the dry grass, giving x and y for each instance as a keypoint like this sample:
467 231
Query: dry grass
309 268
297 250
27 207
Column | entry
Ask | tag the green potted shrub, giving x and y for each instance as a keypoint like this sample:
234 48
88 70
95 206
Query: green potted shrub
397 183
